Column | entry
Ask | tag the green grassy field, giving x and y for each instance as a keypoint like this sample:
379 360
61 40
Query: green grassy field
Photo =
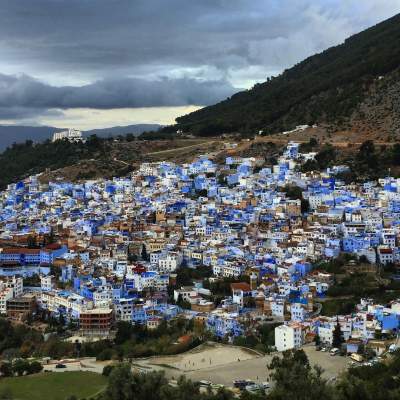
54 385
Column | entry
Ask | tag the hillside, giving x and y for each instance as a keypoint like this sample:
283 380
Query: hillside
351 86
98 157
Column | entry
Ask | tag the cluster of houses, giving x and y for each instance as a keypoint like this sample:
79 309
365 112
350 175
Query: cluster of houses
370 325
109 250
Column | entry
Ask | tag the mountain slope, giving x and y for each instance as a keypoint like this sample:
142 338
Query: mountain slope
327 88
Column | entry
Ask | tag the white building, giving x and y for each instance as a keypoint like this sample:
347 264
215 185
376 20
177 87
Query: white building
5 294
14 283
325 334
123 309
288 337
73 303
170 261
9 288
47 282
298 312
385 255
185 292
73 135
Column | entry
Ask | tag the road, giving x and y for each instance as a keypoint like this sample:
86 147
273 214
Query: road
83 364
181 148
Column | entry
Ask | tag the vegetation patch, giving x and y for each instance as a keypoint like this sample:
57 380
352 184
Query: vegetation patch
53 386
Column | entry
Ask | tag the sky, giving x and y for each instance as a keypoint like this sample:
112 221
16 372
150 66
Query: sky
99 63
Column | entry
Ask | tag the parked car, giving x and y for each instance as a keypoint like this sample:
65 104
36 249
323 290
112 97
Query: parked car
242 383
253 388
357 357
265 385
335 351
61 365
217 386
392 348
367 364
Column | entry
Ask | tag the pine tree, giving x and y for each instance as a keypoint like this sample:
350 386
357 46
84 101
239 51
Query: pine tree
144 253
337 339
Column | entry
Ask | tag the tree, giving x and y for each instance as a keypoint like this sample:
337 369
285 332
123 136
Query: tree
6 369
183 303
107 370
396 154
20 366
305 206
51 238
202 193
34 367
187 389
105 355
337 338
293 192
295 379
124 332
326 156
144 253
119 383
367 149
61 319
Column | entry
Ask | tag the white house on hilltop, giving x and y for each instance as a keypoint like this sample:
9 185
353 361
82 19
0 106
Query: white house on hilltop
73 135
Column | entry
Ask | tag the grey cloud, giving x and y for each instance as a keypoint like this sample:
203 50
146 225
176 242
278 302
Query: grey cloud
99 38
23 113
122 46
24 93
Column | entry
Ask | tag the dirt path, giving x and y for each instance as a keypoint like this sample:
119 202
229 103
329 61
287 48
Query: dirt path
181 148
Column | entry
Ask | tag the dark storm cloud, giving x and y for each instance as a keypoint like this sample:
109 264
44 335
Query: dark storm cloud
135 36
25 94
100 33
203 47
16 113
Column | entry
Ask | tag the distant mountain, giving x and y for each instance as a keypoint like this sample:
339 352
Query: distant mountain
123 130
10 134
355 85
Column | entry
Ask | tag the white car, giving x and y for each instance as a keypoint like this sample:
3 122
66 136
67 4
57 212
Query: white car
265 385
